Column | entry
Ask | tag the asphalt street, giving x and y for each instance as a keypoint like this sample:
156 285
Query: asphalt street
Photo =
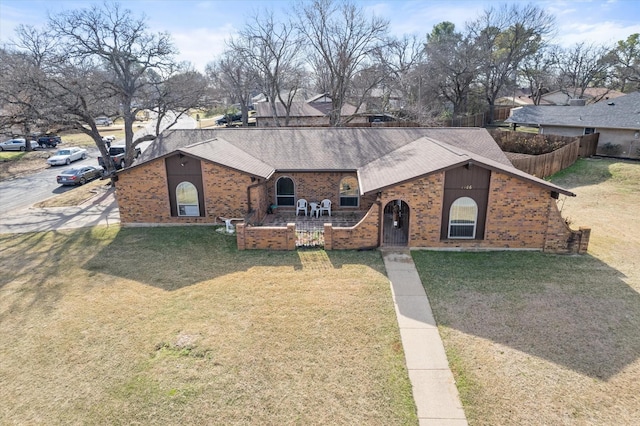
18 195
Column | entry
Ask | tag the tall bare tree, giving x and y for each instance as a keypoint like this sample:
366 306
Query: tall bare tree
538 72
234 79
581 66
272 49
111 39
505 36
342 39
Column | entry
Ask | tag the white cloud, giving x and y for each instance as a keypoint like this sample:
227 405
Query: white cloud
606 33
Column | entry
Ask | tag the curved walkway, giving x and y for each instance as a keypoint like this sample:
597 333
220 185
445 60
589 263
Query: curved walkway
434 388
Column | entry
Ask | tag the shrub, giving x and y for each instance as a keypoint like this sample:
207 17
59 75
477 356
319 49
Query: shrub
527 143
611 149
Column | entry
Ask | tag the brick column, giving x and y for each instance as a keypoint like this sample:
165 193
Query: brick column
240 237
585 235
291 236
328 236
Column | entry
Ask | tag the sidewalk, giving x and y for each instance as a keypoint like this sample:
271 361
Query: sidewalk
99 210
434 389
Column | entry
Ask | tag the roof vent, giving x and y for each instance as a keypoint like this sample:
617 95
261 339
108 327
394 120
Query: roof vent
576 102
610 103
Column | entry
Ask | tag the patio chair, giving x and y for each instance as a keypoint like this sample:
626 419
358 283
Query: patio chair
301 206
325 206
314 209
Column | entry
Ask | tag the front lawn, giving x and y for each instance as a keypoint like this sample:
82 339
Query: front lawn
174 326
537 338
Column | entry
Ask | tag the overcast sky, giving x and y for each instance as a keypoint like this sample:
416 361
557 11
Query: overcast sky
199 28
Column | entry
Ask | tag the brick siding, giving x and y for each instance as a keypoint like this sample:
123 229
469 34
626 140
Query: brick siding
520 215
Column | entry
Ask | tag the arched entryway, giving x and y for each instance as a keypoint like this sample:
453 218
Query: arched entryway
395 224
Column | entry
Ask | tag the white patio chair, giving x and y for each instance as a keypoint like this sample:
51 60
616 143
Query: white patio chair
301 206
325 206
314 209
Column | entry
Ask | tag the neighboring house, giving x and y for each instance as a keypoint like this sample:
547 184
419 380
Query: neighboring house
452 188
523 97
617 121
313 112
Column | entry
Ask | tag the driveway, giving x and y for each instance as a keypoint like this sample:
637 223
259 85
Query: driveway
99 210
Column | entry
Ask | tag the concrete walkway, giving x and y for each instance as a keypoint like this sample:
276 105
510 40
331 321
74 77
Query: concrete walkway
434 389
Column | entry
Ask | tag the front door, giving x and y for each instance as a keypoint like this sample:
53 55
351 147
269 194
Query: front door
395 224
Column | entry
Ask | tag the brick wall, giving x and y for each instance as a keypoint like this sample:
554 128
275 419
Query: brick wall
424 197
266 237
520 215
365 234
143 195
316 187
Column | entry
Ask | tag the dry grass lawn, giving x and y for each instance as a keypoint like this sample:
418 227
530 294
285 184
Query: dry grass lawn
540 339
174 326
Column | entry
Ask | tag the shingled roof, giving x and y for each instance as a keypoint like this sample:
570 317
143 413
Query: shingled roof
619 113
380 156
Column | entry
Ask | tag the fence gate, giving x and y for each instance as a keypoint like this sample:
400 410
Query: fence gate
395 226
309 235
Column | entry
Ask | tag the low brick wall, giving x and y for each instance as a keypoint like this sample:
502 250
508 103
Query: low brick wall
363 235
266 237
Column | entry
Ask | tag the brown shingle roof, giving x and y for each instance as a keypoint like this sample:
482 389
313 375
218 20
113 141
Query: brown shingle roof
381 156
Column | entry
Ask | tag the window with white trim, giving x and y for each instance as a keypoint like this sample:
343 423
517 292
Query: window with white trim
285 192
349 192
187 199
463 217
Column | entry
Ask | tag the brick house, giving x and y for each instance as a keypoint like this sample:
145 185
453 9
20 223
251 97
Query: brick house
312 112
417 187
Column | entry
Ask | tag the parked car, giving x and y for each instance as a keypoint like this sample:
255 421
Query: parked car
117 154
103 121
224 119
79 175
17 144
67 156
49 141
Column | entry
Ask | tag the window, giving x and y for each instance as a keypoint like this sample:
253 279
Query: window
462 218
187 199
285 194
349 194
589 130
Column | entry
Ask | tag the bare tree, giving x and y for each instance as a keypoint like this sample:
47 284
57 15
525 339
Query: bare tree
272 49
111 39
344 40
376 86
505 37
234 79
537 70
581 66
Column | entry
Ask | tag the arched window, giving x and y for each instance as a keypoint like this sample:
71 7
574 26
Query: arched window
349 193
285 194
187 199
462 218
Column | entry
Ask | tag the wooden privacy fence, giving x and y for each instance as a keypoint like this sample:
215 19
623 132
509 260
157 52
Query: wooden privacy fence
478 120
545 165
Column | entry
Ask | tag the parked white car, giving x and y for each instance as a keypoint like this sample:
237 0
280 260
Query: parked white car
17 144
103 121
67 156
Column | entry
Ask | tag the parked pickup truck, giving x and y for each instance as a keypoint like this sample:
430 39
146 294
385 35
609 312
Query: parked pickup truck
117 152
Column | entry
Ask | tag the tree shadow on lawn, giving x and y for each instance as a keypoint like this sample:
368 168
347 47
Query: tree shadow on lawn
574 311
171 258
